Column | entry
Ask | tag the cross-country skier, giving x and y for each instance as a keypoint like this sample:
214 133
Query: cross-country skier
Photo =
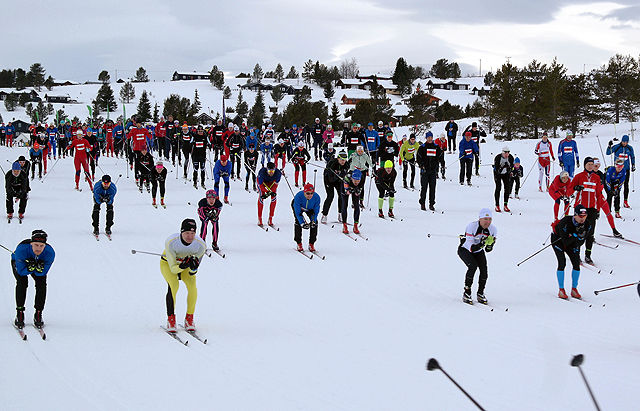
373 142
327 136
615 178
353 187
451 128
317 130
480 236
235 144
103 192
144 165
299 158
35 154
185 143
502 166
268 180
306 206
250 165
158 178
222 169
568 154
52 135
516 174
442 143
352 139
280 151
215 137
388 149
476 133
198 146
333 176
467 151
209 209
544 151
385 179
16 185
625 152
32 257
427 158
561 189
180 261
407 155
568 235
266 148
81 147
362 162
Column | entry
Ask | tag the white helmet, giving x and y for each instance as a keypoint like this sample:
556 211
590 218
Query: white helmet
300 143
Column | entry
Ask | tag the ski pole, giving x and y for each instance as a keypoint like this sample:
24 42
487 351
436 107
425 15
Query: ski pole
525 179
538 252
287 180
50 170
596 292
432 364
144 252
6 248
315 173
577 361
118 178
604 159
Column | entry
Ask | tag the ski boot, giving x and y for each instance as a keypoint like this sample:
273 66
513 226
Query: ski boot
423 207
404 184
587 259
214 246
37 319
203 186
498 209
188 323
323 219
617 234
96 232
345 228
626 204
299 247
481 298
466 295
270 221
260 221
506 208
562 294
469 183
195 185
411 187
432 208
226 200
246 187
618 214
390 213
355 228
153 203
171 323
107 231
312 248
9 216
140 188
19 322
575 293
339 217
380 213
162 202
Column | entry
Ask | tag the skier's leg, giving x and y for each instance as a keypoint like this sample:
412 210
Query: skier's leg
21 286
41 291
481 260
95 215
173 285
471 263
109 222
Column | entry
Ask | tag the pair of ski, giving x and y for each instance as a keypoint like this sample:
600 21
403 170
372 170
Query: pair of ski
607 245
310 254
210 250
621 239
390 218
176 337
266 227
351 235
156 206
97 236
10 218
595 268
23 334
486 305
581 299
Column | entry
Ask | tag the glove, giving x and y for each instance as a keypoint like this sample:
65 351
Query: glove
31 264
578 163
105 199
597 214
194 263
305 226
264 195
610 143
488 248
39 266
185 262
578 188
490 240
561 163
633 168
576 250
313 224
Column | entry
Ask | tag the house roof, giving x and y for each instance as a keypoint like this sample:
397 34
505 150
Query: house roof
191 73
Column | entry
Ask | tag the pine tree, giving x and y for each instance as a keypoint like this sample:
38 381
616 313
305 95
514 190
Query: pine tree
144 107
196 105
328 91
420 109
402 77
11 102
553 91
36 76
226 94
141 75
279 73
617 86
178 107
105 99
258 74
7 78
277 95
216 77
156 113
127 92
104 77
578 110
505 102
257 112
21 79
242 108
307 71
292 73
49 83
334 119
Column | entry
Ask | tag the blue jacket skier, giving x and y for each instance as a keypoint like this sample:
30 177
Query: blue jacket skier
568 154
222 169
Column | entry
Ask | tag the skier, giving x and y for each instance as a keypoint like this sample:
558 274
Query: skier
352 187
144 164
317 130
180 261
103 192
333 177
118 139
625 152
299 158
442 143
250 164
3 134
173 139
451 128
35 154
81 147
198 150
352 139
215 137
222 168
235 144
329 153
480 236
560 190
476 133
10 131
209 209
427 159
407 155
385 179
32 257
16 185
502 166
185 142
158 178
328 135
568 235
544 150
268 180
280 152
373 142
266 148
602 203
108 130
516 174
467 150
52 135
568 154
388 149
63 139
138 137
615 179
94 153
161 136
306 202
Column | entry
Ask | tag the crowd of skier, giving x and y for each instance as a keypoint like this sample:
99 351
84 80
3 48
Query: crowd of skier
224 152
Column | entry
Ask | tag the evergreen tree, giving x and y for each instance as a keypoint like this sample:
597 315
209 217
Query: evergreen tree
488 79
11 102
278 74
144 107
402 77
242 108
334 118
420 111
36 76
553 91
328 91
617 85
20 79
226 94
307 71
156 113
127 92
104 77
141 75
504 101
257 112
375 108
48 83
7 78
178 107
440 69
303 111
579 106
196 106
216 77
277 95
257 74
533 107
105 100
292 73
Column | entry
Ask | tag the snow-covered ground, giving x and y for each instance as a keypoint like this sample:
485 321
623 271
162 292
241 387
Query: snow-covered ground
352 332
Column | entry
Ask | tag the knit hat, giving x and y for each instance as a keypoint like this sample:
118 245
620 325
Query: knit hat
16 166
580 210
106 178
588 160
467 134
516 160
388 164
429 134
564 174
21 158
356 174
308 188
38 236
625 139
505 149
485 213
211 194
271 165
474 124
224 157
188 224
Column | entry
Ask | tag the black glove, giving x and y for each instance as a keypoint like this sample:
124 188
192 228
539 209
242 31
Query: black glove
264 196
633 168
305 226
186 262
313 224
597 214
194 263
31 264
488 248
561 163
578 163
578 188
610 143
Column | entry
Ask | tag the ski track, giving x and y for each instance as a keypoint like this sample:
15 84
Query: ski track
351 332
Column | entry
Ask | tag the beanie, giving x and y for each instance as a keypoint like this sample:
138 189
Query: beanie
38 236
16 166
189 224
485 213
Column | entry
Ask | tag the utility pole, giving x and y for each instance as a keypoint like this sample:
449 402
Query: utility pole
480 67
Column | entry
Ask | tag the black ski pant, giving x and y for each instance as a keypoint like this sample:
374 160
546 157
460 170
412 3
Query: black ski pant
474 261
615 196
476 160
297 227
558 249
162 147
251 173
442 165
592 216
33 168
236 161
405 165
428 181
117 147
22 281
198 165
175 148
626 185
96 215
452 143
154 187
62 147
355 198
329 189
516 182
500 180
465 168
22 206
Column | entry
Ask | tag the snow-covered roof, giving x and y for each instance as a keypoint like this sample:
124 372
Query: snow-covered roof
191 73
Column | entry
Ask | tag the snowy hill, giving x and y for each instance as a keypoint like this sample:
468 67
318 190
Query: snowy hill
352 332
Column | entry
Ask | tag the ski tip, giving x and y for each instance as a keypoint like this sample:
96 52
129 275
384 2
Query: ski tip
205 341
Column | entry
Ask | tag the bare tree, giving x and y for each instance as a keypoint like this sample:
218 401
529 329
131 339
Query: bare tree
349 68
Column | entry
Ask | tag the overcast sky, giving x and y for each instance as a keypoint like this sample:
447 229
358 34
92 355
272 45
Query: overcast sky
77 39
